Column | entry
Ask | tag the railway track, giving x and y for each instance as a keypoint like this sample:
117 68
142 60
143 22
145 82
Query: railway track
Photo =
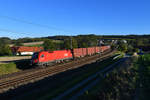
17 79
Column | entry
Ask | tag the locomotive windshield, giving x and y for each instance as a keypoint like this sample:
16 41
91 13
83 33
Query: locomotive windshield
35 55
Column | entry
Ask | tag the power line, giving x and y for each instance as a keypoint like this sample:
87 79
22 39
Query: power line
18 34
12 31
34 24
31 23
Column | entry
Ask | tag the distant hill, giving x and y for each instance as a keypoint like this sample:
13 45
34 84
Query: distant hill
38 41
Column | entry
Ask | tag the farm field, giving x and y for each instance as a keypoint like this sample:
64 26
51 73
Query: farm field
8 59
37 44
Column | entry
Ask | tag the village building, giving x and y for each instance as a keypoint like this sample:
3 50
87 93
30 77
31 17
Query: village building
24 50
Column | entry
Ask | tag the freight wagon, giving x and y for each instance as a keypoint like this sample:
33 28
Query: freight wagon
49 57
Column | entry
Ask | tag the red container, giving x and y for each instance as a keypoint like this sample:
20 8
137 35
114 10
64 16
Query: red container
80 52
77 52
91 50
97 49
101 49
84 52
104 48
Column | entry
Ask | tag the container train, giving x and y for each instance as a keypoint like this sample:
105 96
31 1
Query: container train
44 58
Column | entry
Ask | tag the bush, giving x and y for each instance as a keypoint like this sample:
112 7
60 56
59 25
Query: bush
48 45
8 68
5 50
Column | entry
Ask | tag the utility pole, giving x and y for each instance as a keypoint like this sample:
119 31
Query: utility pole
71 47
71 42
99 43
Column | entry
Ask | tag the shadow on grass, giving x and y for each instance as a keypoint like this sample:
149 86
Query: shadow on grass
23 64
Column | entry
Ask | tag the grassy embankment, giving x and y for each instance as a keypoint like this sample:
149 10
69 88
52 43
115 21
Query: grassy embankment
8 68
143 77
130 82
115 86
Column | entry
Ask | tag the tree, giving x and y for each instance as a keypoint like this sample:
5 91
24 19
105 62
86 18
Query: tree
113 46
18 43
136 50
130 48
67 43
123 47
5 40
86 40
74 43
139 42
5 49
48 45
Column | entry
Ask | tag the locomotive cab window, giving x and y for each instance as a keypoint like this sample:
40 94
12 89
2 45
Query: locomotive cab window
42 56
35 55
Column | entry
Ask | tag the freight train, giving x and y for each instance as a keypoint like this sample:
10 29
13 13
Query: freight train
44 58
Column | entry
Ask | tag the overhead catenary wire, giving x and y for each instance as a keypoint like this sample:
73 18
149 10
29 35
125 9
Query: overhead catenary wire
12 31
17 34
34 24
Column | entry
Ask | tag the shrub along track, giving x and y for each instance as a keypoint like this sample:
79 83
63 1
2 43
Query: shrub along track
12 81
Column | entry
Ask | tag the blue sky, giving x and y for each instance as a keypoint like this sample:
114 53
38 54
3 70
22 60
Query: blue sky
37 18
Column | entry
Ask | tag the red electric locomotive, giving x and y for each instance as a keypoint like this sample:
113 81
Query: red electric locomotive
46 57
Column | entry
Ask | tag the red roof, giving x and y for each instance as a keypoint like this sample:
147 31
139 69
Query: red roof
26 49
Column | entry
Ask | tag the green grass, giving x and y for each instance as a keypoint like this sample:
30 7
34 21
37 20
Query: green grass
120 53
143 76
35 45
8 68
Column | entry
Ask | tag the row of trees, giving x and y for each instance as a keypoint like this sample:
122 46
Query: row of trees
72 42
125 47
139 39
